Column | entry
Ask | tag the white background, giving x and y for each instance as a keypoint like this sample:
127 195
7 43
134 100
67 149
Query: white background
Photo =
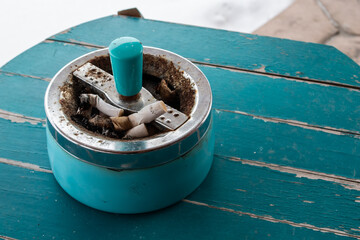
26 23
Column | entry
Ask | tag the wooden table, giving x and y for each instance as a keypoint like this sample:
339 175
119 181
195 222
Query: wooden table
287 154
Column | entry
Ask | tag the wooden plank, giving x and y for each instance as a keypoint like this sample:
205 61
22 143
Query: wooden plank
280 143
22 95
240 186
245 51
34 206
45 59
299 102
24 142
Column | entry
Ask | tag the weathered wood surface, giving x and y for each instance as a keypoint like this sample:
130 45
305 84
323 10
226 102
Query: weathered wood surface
287 149
225 48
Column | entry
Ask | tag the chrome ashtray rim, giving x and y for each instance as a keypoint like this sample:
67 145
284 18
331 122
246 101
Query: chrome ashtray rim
134 154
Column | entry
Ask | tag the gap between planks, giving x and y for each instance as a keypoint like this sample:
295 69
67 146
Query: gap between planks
25 165
274 220
259 71
348 183
19 118
331 130
24 75
7 238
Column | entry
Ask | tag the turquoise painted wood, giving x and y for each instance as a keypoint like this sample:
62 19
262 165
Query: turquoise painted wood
308 103
45 211
287 145
38 57
287 154
22 91
246 51
23 142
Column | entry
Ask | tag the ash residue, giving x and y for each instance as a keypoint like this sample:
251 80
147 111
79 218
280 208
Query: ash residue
175 80
160 77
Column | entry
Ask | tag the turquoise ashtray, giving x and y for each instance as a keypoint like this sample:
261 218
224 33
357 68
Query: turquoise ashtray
131 176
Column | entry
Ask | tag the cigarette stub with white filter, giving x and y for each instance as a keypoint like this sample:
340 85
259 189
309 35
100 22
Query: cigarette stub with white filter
148 113
137 132
106 108
145 115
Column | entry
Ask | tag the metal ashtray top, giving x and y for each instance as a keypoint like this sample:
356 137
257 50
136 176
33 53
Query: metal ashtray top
129 154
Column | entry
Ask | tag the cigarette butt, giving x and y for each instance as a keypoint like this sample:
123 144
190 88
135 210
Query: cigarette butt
148 113
121 123
103 122
137 132
101 105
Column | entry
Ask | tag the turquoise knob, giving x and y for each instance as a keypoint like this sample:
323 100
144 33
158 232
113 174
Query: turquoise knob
126 55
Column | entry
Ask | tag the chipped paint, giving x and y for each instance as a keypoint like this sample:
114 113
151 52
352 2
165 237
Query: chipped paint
260 69
248 37
240 190
24 75
331 130
7 238
75 42
65 31
348 183
19 118
29 166
306 201
274 220
296 78
85 44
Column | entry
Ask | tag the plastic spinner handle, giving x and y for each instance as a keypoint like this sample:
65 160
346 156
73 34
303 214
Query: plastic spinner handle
126 55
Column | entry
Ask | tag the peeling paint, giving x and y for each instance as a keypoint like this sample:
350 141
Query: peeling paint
274 220
331 130
25 75
18 118
29 166
7 238
85 44
348 183
240 190
249 37
260 69
65 31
